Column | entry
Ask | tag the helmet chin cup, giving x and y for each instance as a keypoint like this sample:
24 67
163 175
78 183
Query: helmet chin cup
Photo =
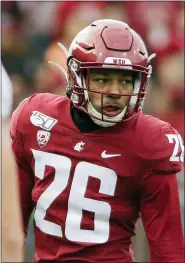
102 120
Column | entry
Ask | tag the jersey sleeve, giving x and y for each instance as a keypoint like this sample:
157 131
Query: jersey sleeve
161 216
167 153
25 176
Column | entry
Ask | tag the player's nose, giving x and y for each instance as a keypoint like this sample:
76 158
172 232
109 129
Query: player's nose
114 89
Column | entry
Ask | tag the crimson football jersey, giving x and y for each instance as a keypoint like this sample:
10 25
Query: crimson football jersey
89 189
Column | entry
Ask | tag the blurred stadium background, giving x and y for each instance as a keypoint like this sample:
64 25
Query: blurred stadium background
31 30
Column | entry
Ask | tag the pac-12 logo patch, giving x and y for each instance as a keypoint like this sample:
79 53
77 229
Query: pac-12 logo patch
42 138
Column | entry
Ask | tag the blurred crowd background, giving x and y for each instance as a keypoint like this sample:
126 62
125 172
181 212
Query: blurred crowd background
31 31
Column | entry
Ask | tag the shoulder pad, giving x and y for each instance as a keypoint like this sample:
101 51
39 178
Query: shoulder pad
16 116
38 110
162 145
168 150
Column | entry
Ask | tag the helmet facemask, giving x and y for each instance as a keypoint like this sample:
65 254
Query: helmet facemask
78 88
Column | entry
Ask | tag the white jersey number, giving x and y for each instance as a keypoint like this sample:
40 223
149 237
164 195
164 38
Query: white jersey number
77 201
177 139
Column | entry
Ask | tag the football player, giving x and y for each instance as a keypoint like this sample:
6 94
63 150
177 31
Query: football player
92 163
12 232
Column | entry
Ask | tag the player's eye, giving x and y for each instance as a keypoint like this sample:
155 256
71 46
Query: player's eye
126 81
101 80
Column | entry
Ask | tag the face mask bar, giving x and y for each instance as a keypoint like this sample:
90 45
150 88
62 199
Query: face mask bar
82 83
82 87
77 87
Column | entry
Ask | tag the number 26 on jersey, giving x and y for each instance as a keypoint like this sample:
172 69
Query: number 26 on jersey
77 200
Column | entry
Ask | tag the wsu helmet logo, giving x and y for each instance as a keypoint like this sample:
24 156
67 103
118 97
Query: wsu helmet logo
42 138
119 61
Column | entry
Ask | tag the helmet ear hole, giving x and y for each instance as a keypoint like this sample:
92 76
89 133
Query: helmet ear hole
75 88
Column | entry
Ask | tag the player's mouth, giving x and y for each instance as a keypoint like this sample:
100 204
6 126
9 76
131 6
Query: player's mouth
111 110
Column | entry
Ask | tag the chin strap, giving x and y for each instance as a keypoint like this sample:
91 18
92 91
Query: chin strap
151 57
57 65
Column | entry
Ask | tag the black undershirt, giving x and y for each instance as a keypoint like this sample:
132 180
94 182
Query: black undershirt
83 121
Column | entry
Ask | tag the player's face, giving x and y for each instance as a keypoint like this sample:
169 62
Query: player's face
114 82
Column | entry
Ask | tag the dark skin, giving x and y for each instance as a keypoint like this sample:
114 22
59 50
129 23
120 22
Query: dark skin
112 81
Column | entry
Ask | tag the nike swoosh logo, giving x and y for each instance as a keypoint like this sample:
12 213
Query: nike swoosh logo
105 155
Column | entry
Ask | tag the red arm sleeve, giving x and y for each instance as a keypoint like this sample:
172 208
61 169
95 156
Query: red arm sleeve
160 212
25 176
